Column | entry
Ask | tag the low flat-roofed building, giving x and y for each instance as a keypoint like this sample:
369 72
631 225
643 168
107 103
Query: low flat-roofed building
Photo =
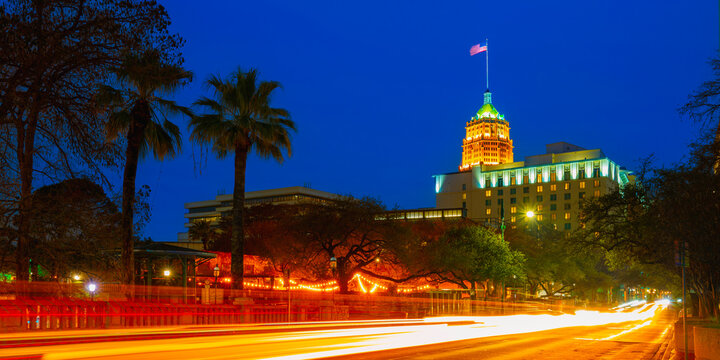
213 210
551 185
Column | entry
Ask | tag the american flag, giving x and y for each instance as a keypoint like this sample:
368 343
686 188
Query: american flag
476 49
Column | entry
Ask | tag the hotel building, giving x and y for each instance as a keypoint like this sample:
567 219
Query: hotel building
491 187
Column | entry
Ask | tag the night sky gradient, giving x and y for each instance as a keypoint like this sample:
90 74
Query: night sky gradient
381 90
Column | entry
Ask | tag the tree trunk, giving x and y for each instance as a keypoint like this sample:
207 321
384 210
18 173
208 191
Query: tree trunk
342 276
237 242
135 135
25 152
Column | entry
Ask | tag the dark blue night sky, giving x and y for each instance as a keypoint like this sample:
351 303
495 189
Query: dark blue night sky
381 90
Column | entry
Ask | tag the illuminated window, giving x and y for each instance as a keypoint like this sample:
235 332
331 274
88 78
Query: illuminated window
554 226
567 186
540 207
553 187
513 209
582 195
553 176
539 188
553 216
596 183
539 217
582 184
567 215
464 196
488 211
539 177
596 193
488 193
512 219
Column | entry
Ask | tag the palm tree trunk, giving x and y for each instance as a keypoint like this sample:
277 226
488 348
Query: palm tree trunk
136 130
237 242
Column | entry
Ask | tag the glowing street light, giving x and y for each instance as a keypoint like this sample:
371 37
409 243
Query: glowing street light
166 273
92 287
76 277
530 214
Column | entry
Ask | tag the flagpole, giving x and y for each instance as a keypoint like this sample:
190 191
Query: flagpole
487 65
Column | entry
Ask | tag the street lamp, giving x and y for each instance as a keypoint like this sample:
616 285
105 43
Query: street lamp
530 214
91 287
216 273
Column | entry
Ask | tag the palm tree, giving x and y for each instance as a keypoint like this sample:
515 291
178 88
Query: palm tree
202 231
241 121
140 115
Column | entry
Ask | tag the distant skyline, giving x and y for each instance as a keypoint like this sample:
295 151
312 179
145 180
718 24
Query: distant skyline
381 91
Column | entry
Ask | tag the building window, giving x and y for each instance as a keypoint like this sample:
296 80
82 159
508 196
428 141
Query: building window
582 184
526 199
568 226
488 193
596 193
553 176
500 201
464 196
540 207
539 177
540 217
553 216
487 202
567 196
464 205
500 192
553 187
582 195
512 219
553 197
567 216
513 191
464 187
513 200
596 183
513 209
512 180
553 207
526 189
566 207
539 188
567 186
554 226
539 198
488 211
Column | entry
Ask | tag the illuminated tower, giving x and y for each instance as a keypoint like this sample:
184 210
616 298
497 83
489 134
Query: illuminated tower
487 138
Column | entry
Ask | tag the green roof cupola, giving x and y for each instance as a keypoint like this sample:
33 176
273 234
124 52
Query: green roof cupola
488 111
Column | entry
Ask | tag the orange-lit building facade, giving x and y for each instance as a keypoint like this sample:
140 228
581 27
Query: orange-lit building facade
487 138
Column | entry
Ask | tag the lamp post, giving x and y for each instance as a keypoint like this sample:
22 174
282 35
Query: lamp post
216 273
92 287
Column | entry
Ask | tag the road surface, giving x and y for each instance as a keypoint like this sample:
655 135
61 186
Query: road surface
635 334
